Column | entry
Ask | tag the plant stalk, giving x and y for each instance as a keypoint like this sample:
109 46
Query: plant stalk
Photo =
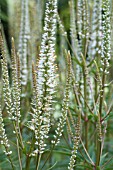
38 161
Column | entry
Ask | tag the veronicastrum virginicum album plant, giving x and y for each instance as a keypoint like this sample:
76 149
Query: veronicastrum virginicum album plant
31 94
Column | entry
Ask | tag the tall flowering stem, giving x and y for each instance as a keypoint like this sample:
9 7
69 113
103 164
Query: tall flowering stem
44 81
95 44
16 92
15 84
11 98
62 120
105 57
5 78
8 102
46 75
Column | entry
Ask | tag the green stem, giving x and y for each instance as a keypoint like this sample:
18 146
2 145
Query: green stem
18 136
28 162
11 163
19 157
38 161
98 155
86 135
50 153
10 160
96 87
47 157
85 107
28 159
101 96
87 153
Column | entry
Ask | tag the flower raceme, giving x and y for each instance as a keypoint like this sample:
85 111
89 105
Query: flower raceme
44 79
3 137
23 40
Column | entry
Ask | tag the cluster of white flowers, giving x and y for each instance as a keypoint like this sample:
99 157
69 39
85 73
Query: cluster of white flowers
11 96
15 86
85 33
73 157
5 78
96 31
79 18
83 24
106 38
73 28
3 136
45 79
46 67
62 120
23 40
75 145
61 27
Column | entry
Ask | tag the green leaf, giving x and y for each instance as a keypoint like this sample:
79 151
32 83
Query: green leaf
52 166
102 159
